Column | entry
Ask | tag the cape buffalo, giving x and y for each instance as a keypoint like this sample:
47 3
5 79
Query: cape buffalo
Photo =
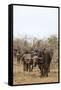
27 62
43 60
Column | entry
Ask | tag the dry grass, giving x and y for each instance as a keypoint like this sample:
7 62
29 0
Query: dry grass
21 77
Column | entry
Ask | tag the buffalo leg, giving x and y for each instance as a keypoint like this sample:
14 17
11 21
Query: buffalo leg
46 70
42 70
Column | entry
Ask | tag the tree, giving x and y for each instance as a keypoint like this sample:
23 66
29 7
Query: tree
53 42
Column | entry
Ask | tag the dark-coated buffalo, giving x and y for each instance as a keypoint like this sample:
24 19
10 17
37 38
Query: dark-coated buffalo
27 62
43 60
19 55
14 52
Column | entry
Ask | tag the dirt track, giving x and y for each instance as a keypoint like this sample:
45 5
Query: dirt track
21 77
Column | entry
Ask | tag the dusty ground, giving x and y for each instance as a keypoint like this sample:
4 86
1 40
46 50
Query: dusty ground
21 77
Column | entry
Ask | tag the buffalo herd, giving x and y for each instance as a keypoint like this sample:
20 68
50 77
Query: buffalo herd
32 58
